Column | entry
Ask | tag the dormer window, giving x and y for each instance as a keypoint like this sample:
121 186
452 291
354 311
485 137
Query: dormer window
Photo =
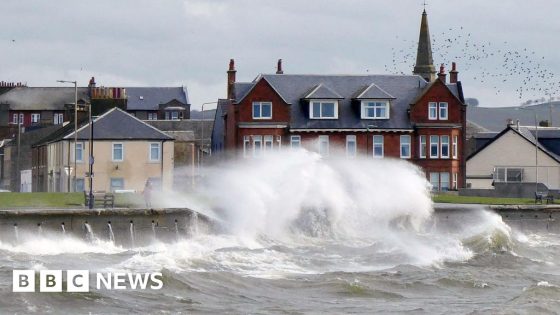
262 110
324 109
375 110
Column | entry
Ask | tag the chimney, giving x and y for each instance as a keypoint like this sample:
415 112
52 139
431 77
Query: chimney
441 74
231 80
509 122
517 124
453 73
279 67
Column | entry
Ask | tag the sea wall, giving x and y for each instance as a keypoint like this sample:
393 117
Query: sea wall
130 227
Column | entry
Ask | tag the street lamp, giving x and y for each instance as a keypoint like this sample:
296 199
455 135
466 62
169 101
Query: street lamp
536 149
202 133
75 131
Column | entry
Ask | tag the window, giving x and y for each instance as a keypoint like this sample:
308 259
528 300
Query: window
324 110
295 141
268 143
422 148
155 151
262 110
455 181
79 152
257 145
58 118
279 141
378 146
405 147
375 110
152 116
508 175
455 144
21 118
118 152
323 144
445 147
432 111
434 181
434 144
117 184
444 181
15 118
35 118
246 144
443 111
79 185
351 146
174 115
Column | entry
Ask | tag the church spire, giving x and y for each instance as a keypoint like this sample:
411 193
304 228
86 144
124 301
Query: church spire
424 61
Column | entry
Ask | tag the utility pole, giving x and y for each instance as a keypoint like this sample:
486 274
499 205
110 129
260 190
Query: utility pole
75 132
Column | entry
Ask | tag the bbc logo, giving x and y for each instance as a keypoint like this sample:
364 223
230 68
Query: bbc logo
50 281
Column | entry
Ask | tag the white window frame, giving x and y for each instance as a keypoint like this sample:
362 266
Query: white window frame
382 146
174 115
506 169
321 139
246 145
58 118
35 118
260 106
295 141
81 146
441 144
455 181
447 182
152 116
268 139
374 105
409 145
150 156
21 117
111 183
434 106
455 147
434 179
441 107
15 118
113 151
257 139
351 139
432 143
321 102
422 146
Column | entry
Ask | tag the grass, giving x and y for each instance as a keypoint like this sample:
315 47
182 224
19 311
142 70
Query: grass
482 200
60 200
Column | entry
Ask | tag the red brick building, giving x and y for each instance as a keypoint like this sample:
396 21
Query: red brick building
416 117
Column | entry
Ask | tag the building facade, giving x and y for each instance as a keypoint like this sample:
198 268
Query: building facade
416 117
127 153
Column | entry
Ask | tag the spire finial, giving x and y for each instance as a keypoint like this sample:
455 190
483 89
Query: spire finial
424 4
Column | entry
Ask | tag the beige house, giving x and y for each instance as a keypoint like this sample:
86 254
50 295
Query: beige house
518 154
127 153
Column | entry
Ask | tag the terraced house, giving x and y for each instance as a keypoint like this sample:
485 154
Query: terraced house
418 117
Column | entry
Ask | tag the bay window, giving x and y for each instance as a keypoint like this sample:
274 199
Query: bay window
422 149
378 146
434 147
444 147
351 146
405 146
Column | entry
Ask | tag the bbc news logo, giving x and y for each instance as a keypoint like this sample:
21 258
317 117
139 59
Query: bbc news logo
79 281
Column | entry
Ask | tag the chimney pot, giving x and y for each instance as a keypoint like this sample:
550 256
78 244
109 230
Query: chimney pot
231 65
441 74
279 67
453 74
231 80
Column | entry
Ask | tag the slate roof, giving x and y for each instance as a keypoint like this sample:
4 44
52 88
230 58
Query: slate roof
293 88
149 98
42 98
495 118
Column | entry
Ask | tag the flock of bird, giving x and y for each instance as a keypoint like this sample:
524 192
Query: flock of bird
496 65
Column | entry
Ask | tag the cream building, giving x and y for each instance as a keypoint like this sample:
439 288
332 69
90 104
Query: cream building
126 151
513 156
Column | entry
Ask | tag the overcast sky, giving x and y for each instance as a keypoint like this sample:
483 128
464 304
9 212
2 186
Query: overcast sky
189 42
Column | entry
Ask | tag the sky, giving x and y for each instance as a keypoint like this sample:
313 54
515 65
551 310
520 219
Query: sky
190 42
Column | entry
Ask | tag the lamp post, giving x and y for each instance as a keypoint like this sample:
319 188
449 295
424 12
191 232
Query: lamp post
536 149
75 131
202 132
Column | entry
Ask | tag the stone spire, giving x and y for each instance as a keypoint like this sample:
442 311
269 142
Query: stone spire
424 61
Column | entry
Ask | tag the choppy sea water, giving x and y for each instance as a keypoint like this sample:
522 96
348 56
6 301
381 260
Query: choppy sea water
490 268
